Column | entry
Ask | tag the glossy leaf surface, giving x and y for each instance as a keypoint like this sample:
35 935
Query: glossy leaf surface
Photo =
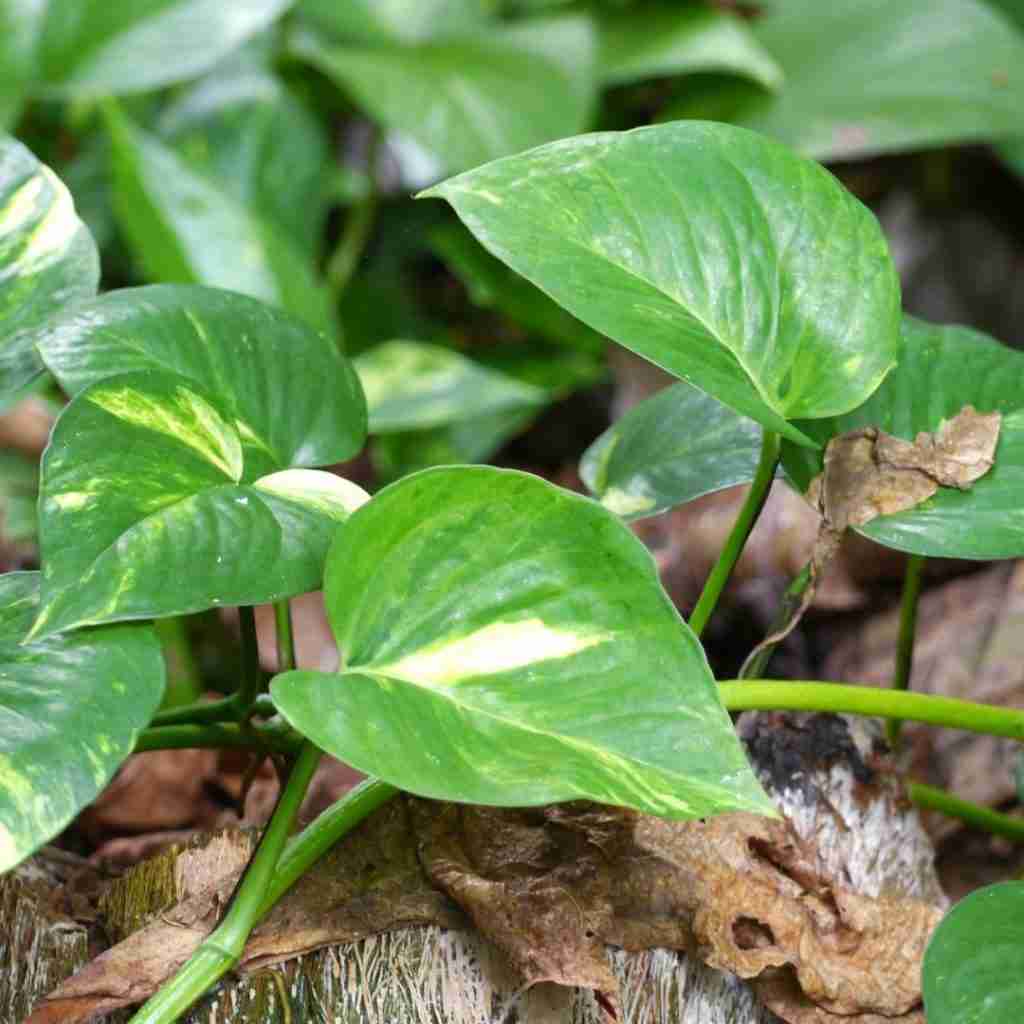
185 227
867 76
411 385
973 970
658 39
670 449
941 370
297 402
70 710
146 509
97 48
508 642
242 128
709 250
47 259
476 97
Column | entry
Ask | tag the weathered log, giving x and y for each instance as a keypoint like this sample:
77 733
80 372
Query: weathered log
832 779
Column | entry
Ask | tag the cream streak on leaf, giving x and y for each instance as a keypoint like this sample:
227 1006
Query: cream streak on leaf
501 647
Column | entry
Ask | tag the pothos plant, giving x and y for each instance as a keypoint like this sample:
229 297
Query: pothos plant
502 640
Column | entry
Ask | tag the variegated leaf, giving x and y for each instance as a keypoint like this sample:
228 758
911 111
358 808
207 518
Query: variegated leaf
507 642
146 509
70 710
47 259
296 401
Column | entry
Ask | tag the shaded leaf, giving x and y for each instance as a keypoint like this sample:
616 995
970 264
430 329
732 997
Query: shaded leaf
185 227
670 449
70 710
507 642
974 966
472 98
941 369
47 259
657 39
411 385
707 249
866 76
146 509
241 128
19 487
296 401
383 21
91 48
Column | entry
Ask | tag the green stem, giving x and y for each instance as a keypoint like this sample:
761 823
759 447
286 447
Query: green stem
791 602
201 711
252 673
983 818
782 695
752 505
358 228
285 637
222 949
905 643
273 738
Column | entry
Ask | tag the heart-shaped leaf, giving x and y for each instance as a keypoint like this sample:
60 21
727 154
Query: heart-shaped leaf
867 76
508 642
659 39
973 970
942 369
410 385
146 509
715 253
669 449
471 98
47 259
98 49
70 710
186 227
297 402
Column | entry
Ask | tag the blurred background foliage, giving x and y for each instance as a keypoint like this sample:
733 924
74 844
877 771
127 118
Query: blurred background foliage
274 147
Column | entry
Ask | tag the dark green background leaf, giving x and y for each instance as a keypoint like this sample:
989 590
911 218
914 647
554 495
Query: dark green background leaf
508 642
973 969
47 259
669 449
185 227
713 252
70 710
941 369
144 512
298 400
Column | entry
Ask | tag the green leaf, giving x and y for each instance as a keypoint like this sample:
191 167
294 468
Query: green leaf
973 970
20 20
670 449
384 21
491 285
188 228
295 400
658 39
241 128
19 488
507 642
95 48
47 259
709 250
473 98
410 385
942 369
70 710
147 509
867 76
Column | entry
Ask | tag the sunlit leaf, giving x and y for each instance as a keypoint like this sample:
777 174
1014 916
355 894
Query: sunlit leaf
709 250
70 710
507 642
48 259
381 21
670 449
